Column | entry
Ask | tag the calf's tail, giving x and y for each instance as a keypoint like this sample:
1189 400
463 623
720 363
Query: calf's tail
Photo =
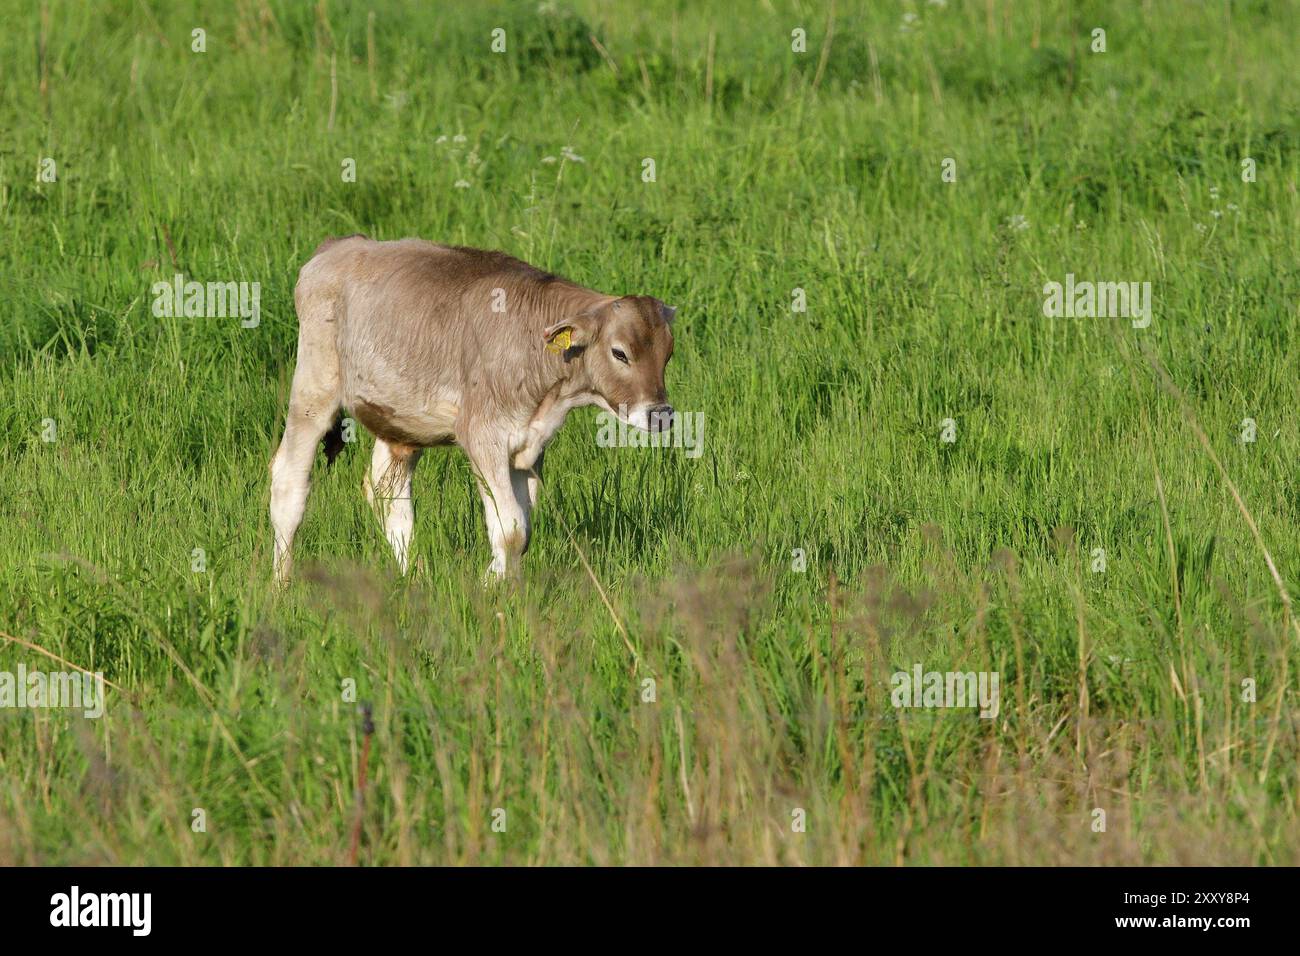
333 440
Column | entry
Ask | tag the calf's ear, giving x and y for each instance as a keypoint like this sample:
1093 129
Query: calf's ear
668 312
577 330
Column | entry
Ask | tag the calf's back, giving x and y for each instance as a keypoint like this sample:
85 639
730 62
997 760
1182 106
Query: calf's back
428 336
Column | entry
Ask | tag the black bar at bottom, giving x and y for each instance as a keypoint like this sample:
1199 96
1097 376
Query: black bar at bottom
351 906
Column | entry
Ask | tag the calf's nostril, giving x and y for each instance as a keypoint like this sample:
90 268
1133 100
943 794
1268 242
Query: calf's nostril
661 418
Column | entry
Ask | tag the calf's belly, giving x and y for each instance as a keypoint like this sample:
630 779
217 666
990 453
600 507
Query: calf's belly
432 423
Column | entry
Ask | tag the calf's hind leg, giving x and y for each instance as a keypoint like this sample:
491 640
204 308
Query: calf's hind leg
291 480
313 405
388 489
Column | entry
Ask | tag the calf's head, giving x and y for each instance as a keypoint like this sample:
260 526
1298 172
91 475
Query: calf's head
623 348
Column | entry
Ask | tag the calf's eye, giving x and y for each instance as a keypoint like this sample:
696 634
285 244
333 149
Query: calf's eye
619 354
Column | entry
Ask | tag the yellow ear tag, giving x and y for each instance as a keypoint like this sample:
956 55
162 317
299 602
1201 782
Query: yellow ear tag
560 342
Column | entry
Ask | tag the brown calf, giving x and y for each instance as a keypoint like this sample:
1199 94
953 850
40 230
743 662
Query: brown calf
428 345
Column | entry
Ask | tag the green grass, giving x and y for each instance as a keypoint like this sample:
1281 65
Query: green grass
1122 690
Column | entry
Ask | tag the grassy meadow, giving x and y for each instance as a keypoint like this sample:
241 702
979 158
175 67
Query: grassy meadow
905 462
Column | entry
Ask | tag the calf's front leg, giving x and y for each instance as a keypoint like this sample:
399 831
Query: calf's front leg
535 481
506 507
